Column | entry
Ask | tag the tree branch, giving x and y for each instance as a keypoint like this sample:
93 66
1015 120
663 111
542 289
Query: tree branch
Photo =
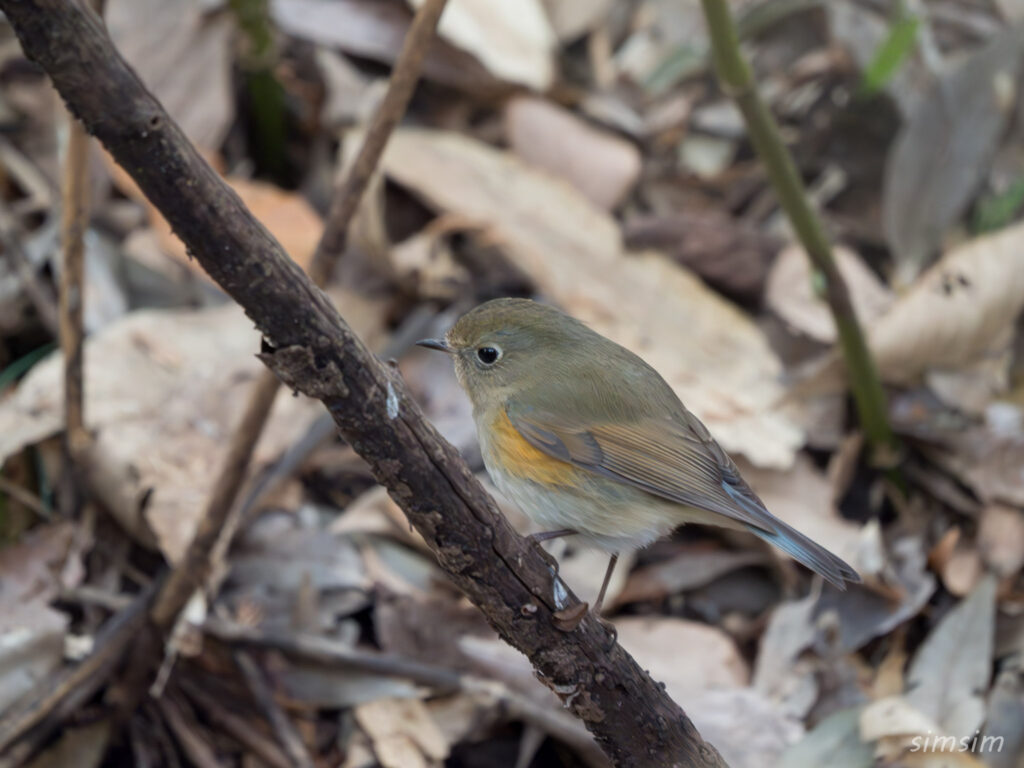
738 81
312 349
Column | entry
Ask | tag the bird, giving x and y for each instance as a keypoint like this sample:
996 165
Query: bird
590 441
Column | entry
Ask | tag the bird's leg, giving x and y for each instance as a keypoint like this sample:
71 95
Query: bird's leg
548 535
604 584
538 538
600 601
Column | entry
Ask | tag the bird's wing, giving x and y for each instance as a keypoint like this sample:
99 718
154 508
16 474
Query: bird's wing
675 461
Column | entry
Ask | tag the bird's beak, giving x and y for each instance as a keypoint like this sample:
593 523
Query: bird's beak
439 344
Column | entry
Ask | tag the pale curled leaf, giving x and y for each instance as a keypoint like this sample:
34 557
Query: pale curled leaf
717 360
942 152
950 318
598 163
513 40
949 675
834 742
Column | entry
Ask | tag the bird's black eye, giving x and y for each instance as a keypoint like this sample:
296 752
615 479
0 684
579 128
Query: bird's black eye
488 355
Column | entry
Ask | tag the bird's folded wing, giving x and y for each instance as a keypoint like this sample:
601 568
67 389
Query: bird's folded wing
678 462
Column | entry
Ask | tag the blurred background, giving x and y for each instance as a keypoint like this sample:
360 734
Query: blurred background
579 152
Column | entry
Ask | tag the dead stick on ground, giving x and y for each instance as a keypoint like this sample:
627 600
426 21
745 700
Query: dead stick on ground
314 351
74 219
287 736
238 727
195 565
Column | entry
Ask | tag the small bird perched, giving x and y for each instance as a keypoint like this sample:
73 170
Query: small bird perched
589 440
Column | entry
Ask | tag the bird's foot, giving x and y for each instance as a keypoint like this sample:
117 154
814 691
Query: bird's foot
569 619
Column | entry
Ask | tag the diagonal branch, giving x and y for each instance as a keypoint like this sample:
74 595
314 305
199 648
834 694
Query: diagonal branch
312 349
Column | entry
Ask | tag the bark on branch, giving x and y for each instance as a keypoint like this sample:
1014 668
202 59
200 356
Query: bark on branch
312 349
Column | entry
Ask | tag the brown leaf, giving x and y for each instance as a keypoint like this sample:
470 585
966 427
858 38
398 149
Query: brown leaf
31 633
599 164
988 458
943 151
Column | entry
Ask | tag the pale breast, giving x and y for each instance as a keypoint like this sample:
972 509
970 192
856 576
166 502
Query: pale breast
556 495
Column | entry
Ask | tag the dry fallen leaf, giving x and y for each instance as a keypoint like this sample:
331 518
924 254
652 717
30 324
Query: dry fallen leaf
950 672
375 29
183 54
717 360
790 294
711 660
163 392
951 317
989 458
942 152
513 40
403 733
599 164
572 18
1001 538
31 632
834 742
687 570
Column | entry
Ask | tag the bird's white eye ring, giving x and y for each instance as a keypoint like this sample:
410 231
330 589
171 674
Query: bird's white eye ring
489 354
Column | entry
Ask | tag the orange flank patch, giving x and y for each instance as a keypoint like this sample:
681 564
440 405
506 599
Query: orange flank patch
521 459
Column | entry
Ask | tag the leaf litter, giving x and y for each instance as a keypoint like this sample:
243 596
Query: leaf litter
576 152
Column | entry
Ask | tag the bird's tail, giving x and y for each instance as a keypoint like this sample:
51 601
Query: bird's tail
763 524
807 552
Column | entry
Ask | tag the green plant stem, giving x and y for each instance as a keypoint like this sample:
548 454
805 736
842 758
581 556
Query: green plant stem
737 80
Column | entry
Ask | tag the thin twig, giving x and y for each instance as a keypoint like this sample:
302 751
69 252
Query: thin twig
738 81
196 748
332 653
39 293
195 566
323 650
404 77
236 726
73 222
288 737
24 496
